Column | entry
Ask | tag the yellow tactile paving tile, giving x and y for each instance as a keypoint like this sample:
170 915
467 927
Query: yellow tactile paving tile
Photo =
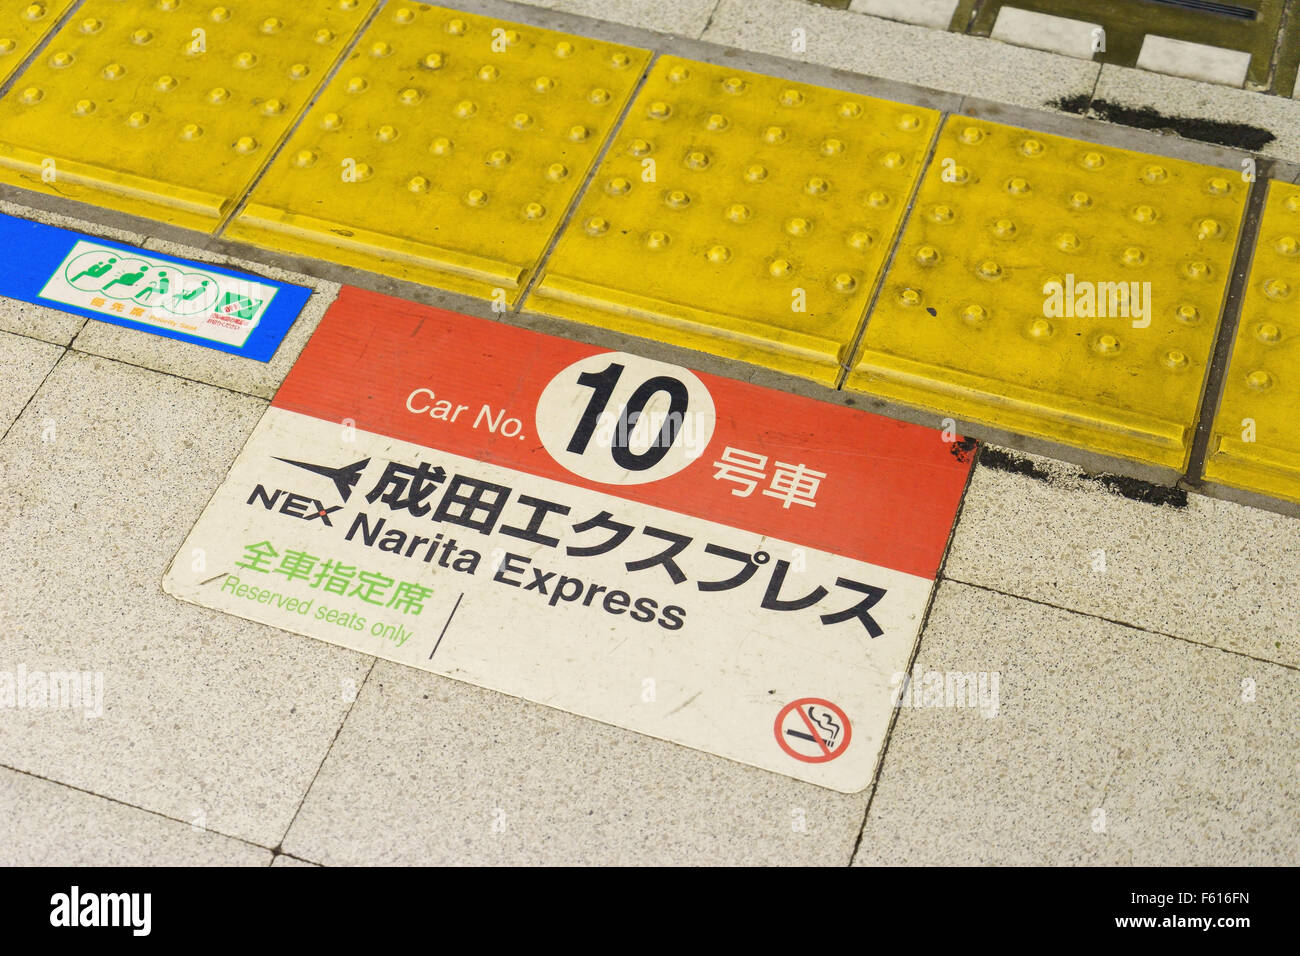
168 108
742 215
1253 440
446 150
1057 288
22 26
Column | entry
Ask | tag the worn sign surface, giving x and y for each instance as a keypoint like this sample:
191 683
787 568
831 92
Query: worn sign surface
729 567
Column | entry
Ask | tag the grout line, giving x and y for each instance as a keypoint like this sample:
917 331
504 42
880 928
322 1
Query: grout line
133 806
905 218
36 391
581 192
158 371
1125 624
328 750
1216 372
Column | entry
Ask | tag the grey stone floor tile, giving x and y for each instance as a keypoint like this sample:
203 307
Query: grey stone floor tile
1178 97
686 18
24 363
951 62
443 772
282 860
1188 753
39 321
205 718
202 364
1213 572
47 824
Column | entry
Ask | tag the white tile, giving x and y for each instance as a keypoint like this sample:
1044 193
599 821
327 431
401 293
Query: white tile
1043 31
925 13
1195 61
25 362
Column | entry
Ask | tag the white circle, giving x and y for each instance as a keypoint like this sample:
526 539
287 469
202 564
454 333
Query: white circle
614 453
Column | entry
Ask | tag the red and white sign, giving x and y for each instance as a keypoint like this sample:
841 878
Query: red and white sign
668 551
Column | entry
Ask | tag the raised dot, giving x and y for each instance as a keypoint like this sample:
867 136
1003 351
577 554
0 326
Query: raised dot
877 199
1268 332
1092 160
851 110
909 297
798 226
441 146
457 27
1175 358
83 107
404 15
498 158
246 60
168 5
596 226
756 173
774 134
1106 344
299 71
1017 186
618 186
247 144
578 134
639 147
1004 229
7 45
521 121
1080 200
409 96
1154 174
218 95
1277 288
697 159
323 36
1031 147
305 157
733 85
1040 329
677 199
386 133
816 186
1208 229
564 49
738 212
780 267
1143 214
990 269
909 121
656 239
191 131
1287 245
219 14
927 255
1067 242
476 197
832 147
432 61
271 25
859 239
620 61
465 108
141 37
1293 203
658 110
358 84
892 160
844 282
1133 256
61 60
791 97
678 74
534 210
272 107
972 135
599 96
557 172
1217 186
114 71
974 314
543 84
34 11
941 213
718 254
137 120
954 174
716 122
1196 269
331 121
1259 379
1188 313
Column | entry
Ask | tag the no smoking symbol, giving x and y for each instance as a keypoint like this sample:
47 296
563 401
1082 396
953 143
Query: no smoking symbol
813 730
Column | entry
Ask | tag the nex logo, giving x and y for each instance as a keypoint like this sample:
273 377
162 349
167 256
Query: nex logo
309 509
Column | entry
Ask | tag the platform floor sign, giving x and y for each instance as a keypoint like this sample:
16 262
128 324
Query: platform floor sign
683 555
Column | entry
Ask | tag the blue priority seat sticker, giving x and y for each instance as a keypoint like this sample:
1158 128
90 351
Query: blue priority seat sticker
113 282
